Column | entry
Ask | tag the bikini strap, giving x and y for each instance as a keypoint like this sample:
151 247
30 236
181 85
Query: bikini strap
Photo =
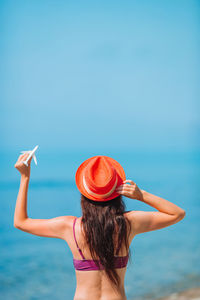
76 240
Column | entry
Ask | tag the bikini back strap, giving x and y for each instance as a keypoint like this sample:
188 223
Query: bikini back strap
76 240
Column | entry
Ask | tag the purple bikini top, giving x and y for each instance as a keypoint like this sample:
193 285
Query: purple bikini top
89 264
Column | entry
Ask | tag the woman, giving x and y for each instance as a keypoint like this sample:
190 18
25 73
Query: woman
101 237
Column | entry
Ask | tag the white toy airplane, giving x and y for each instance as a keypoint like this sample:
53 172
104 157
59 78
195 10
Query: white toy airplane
31 153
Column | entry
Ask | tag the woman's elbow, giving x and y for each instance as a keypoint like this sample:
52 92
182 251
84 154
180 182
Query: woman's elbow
17 225
181 215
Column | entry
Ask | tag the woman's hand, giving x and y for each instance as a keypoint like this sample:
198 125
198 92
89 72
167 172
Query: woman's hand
21 167
130 190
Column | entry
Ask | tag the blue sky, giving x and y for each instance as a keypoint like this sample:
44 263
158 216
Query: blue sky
99 74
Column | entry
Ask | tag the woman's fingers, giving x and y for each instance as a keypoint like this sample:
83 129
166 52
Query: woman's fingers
22 158
125 192
129 190
129 180
124 187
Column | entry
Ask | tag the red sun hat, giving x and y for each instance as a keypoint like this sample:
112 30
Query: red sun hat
98 177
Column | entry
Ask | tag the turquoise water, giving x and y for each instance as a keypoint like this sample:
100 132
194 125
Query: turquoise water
33 267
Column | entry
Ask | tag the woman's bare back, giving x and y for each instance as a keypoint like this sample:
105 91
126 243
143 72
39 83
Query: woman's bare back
94 284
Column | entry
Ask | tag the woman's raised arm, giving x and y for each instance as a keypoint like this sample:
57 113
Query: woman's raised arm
143 221
55 227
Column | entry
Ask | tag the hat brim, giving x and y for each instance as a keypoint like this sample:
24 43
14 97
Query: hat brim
79 179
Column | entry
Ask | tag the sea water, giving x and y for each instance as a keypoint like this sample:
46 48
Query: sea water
163 261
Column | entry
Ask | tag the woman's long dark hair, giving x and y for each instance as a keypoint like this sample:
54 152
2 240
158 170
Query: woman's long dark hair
99 220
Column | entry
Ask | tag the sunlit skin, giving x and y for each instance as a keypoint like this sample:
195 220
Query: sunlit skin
94 284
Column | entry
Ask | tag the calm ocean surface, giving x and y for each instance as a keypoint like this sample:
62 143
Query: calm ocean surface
33 267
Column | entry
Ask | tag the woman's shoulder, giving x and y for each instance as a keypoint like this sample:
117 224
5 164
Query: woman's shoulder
130 216
68 220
